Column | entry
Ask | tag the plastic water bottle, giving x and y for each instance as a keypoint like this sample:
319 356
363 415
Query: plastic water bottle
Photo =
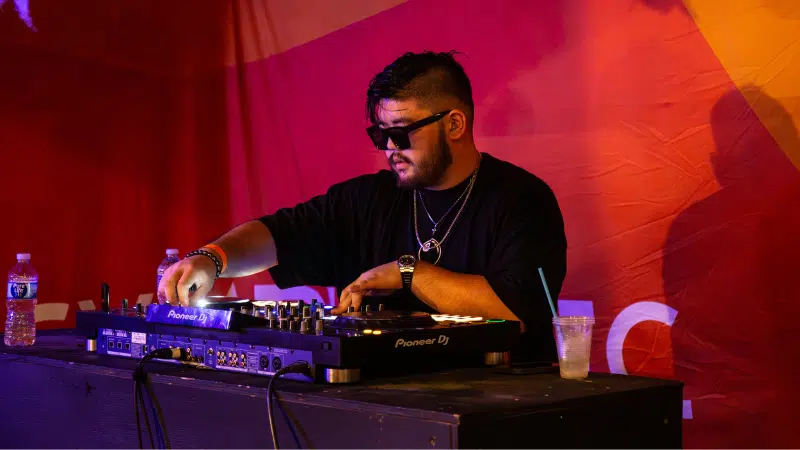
23 282
172 258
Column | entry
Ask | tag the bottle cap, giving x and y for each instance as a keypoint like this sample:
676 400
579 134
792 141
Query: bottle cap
25 256
172 251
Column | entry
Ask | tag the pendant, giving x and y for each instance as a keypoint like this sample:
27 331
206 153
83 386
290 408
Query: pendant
431 244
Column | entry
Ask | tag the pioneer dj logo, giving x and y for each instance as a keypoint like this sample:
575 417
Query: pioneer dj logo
441 340
193 317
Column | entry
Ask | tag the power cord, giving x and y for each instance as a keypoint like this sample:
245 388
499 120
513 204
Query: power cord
296 367
141 387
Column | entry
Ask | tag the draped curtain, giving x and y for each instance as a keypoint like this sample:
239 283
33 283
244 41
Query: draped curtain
667 129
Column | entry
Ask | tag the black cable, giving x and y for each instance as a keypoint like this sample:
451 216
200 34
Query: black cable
138 400
136 407
140 379
296 367
161 425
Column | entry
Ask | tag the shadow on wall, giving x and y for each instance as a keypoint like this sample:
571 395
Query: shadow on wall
730 272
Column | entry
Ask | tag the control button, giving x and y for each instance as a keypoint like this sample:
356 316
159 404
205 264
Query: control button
376 332
326 345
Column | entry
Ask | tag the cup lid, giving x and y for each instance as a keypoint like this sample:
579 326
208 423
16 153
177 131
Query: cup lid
23 256
573 319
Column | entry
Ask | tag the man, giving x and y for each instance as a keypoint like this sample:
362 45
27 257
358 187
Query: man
447 229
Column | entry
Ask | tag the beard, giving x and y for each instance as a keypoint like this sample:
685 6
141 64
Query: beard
427 172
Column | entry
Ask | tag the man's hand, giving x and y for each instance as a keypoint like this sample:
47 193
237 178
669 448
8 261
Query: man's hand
381 280
198 271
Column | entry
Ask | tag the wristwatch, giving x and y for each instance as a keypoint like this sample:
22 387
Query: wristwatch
406 263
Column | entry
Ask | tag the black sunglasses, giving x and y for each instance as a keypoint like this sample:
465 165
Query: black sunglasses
399 135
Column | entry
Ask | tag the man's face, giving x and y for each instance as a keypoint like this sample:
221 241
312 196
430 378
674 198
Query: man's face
424 164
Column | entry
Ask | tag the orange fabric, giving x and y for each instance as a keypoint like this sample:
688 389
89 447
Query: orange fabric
758 44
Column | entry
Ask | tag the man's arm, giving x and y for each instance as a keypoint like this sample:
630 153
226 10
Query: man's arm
457 293
531 236
249 249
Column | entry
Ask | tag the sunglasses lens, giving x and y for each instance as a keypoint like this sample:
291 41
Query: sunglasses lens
400 139
378 137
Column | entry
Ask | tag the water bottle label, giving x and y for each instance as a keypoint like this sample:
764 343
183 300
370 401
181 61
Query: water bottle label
22 291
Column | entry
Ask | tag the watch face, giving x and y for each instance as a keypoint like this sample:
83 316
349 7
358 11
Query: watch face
406 260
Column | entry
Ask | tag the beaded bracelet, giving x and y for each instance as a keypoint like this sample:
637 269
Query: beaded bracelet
217 250
210 255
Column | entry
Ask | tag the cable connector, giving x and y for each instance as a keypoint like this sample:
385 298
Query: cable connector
169 353
301 367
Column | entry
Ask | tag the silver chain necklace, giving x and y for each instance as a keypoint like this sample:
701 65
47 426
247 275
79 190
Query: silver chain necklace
435 222
432 243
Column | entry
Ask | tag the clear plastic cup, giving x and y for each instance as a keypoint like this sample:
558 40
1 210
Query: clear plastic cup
574 343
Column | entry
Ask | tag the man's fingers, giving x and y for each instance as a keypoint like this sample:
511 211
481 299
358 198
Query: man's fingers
344 294
344 302
355 300
202 291
185 283
168 283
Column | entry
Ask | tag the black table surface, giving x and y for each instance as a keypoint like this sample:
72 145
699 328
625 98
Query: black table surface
448 396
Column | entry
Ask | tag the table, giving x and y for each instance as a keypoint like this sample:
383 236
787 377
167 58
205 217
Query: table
55 394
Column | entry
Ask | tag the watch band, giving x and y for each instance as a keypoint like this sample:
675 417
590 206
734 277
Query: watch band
407 276
406 264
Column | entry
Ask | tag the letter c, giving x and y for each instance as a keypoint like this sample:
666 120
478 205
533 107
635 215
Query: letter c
627 319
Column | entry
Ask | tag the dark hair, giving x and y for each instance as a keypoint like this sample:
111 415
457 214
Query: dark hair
427 77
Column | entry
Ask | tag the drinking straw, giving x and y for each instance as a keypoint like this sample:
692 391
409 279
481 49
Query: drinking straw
547 291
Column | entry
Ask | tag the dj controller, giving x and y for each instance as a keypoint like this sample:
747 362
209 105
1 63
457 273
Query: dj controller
259 338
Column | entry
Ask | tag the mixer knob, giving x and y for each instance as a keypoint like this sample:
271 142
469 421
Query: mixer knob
294 311
350 309
304 326
306 312
284 324
300 305
367 308
293 325
124 303
282 313
319 325
139 308
320 313
380 307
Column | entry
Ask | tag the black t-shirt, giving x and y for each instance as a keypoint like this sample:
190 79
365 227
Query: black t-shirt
510 226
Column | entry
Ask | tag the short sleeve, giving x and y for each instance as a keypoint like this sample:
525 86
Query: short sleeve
531 235
314 238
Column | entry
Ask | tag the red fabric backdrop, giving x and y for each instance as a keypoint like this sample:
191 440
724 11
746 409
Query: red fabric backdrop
130 127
